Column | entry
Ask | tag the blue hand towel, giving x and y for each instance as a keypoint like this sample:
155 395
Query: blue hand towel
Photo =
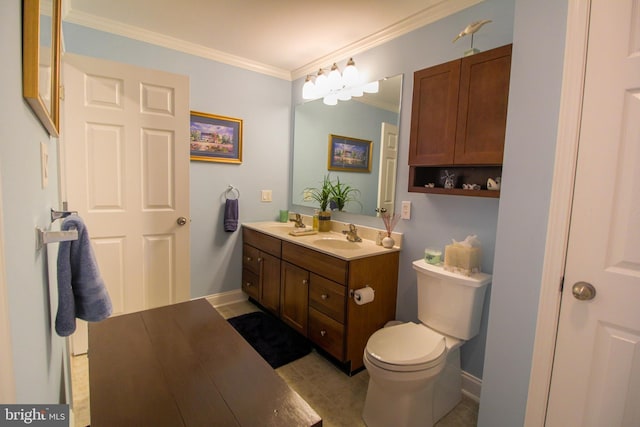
81 290
231 215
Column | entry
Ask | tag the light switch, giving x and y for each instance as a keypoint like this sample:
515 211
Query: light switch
265 196
44 164
406 210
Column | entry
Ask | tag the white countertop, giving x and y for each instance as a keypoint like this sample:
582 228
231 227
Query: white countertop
333 243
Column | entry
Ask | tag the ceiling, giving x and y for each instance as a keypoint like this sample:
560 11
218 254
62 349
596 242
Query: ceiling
282 38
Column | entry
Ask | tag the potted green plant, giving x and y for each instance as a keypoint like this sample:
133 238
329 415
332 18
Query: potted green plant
322 195
342 193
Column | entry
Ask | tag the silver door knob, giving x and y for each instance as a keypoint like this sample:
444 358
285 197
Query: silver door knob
583 291
182 220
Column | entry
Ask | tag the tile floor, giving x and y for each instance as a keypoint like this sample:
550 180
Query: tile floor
336 397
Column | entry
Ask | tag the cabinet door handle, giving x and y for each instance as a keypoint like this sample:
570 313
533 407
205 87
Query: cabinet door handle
259 259
323 333
248 284
248 258
305 282
324 296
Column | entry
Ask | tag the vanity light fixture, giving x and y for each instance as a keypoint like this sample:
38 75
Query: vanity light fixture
336 86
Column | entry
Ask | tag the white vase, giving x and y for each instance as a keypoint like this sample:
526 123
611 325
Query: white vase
388 242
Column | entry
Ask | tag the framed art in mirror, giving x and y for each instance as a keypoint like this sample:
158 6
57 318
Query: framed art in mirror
215 138
41 61
349 154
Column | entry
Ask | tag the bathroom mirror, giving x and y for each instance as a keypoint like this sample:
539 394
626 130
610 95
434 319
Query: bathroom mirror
371 117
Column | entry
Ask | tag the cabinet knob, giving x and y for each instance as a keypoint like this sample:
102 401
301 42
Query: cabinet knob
248 258
259 259
248 284
305 282
324 296
323 333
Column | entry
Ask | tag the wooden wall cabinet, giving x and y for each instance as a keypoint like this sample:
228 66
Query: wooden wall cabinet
458 122
315 299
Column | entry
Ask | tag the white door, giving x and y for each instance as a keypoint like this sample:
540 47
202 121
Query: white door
126 136
388 167
596 371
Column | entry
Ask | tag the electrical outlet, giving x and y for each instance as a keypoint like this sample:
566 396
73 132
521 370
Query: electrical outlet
265 196
307 196
406 210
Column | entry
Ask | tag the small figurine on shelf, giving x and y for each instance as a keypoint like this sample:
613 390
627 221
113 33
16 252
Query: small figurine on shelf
449 179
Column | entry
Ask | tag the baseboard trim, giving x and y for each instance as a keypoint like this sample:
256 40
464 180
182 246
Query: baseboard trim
224 298
471 386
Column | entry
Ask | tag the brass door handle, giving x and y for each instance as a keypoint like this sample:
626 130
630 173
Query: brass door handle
583 291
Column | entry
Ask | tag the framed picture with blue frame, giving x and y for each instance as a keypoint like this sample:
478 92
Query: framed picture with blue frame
349 154
215 138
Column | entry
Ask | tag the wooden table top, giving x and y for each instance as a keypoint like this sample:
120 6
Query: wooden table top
184 365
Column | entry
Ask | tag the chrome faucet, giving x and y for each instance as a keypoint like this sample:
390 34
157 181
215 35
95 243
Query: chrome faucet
298 221
352 234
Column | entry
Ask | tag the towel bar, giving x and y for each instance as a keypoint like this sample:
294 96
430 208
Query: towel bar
44 237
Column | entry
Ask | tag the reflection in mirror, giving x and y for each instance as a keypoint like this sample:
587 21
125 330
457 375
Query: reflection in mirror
372 117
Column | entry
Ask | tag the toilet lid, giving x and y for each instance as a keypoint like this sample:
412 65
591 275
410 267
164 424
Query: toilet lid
408 344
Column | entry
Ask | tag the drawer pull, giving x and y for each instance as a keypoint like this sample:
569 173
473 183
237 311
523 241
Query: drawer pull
324 296
248 284
259 259
248 258
305 282
323 333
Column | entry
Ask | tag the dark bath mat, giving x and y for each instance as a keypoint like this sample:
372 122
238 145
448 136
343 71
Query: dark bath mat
273 340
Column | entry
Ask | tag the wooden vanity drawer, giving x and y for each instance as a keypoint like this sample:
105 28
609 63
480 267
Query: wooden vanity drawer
327 333
325 265
251 283
266 243
251 258
327 297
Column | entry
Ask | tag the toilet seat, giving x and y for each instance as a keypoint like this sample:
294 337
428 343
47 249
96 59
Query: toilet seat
406 347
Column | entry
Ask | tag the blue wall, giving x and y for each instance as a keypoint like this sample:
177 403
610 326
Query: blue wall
37 351
534 100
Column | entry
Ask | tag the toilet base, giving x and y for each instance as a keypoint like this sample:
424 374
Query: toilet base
413 404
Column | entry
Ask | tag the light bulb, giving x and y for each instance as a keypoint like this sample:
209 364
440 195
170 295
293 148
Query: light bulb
334 79
331 99
372 87
356 91
322 85
308 89
344 95
350 75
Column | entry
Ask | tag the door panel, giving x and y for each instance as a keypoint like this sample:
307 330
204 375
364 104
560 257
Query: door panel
127 174
596 371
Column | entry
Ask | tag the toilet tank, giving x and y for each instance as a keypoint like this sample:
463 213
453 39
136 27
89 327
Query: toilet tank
449 302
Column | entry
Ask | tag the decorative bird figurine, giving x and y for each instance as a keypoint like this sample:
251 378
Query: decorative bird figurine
470 29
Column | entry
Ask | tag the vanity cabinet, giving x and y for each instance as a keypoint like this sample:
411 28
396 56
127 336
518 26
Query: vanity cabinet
316 296
458 122
261 269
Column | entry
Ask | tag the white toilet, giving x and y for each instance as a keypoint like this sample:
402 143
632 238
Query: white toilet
414 369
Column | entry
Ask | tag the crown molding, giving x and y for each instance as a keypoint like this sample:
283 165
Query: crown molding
113 27
436 11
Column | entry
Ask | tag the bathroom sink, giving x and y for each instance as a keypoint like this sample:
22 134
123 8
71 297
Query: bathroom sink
333 243
284 228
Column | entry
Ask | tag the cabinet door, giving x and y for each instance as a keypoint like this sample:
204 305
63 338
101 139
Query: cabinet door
433 115
270 282
482 107
294 297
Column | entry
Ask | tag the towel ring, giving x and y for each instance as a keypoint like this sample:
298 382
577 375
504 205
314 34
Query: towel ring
230 191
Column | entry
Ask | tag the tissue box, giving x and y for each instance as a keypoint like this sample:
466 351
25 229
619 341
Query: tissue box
462 259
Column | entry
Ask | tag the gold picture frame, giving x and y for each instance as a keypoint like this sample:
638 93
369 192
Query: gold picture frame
349 154
215 138
41 62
